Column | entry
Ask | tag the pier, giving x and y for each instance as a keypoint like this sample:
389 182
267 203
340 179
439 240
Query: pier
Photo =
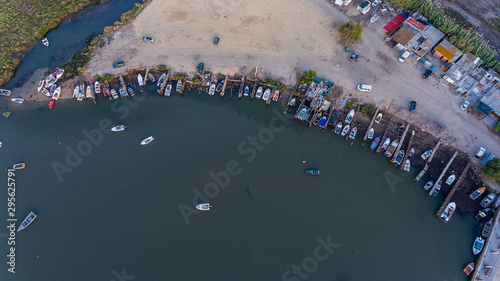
422 173
123 85
300 107
434 151
403 137
408 149
254 89
371 124
315 113
443 172
452 192
146 76
242 87
223 91
489 255
382 140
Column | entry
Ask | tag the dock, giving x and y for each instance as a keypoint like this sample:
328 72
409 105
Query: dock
242 87
254 89
453 190
183 86
422 173
382 140
123 85
402 138
355 114
443 172
223 91
146 76
434 151
371 124
408 149
300 107
488 259
315 113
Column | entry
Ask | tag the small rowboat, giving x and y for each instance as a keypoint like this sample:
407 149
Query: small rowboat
211 92
478 192
45 42
345 130
19 166
450 180
27 221
259 93
41 84
386 144
267 94
246 91
407 166
140 80
53 89
118 128
151 77
168 90
122 92
338 128
105 89
313 172
487 228
469 268
353 132
75 91
276 95
375 142
477 247
370 133
412 151
59 73
114 94
448 212
488 200
147 140
378 118
428 185
5 93
17 100
179 86
349 117
399 157
130 91
426 154
97 87
51 103
203 207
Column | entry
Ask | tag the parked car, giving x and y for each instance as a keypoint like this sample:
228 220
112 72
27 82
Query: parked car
216 40
403 57
427 73
148 39
479 153
354 57
464 105
200 67
364 88
413 106
375 2
118 64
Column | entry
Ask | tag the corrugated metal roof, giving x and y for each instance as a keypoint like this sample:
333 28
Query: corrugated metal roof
416 24
394 24
403 35
448 50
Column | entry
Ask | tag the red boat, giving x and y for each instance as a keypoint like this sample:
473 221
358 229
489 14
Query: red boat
51 103
55 72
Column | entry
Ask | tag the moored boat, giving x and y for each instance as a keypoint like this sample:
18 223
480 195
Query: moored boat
17 100
203 207
478 245
266 95
246 91
314 172
375 142
378 118
345 130
478 192
448 211
211 91
322 122
353 132
401 130
97 87
450 180
57 93
428 185
168 90
412 151
81 93
488 200
75 91
179 86
41 84
140 80
338 128
51 79
487 228
496 204
390 150
147 140
19 166
118 128
386 144
122 92
88 92
374 18
59 73
114 94
53 89
350 115
105 89
435 191
276 95
151 77
45 42
258 95
46 92
130 91
407 166
370 133
51 103
469 268
482 213
6 93
27 221
399 157
426 154
161 82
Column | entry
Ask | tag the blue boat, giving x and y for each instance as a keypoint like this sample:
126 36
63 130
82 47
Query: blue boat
246 91
27 221
322 123
130 91
375 142
313 172
122 92
435 191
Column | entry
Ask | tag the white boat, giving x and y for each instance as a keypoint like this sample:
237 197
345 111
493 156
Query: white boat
41 84
353 132
27 221
5 93
140 80
267 94
203 207
81 93
450 180
391 149
50 80
374 18
345 130
118 128
179 86
75 92
57 93
448 211
477 247
53 89
161 81
17 100
97 87
276 95
211 92
147 140
59 73
338 128
370 133
426 154
386 143
258 95
168 90
114 94
88 93
45 42
348 118
407 166
378 118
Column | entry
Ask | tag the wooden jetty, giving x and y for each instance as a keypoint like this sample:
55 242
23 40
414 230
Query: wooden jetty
315 113
123 85
223 91
382 140
434 151
443 172
403 137
254 89
268 102
183 85
410 143
371 124
424 170
242 87
422 173
355 114
453 190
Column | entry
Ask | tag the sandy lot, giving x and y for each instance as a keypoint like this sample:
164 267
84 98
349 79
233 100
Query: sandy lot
283 38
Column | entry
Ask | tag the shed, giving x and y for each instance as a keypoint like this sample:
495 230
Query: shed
447 51
364 7
488 158
396 22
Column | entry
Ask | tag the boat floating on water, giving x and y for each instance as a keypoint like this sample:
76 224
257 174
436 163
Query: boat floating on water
370 133
390 150
122 92
428 185
114 94
477 247
469 268
118 128
179 86
338 128
482 213
27 221
407 166
140 80
45 42
276 95
412 151
147 140
375 142
435 191
386 144
478 192
426 154
258 95
211 91
151 77
17 100
399 157
5 93
246 91
168 90
51 103
487 228
450 180
350 115
97 87
19 166
266 95
313 172
488 200
448 211
130 91
203 207
353 132
345 130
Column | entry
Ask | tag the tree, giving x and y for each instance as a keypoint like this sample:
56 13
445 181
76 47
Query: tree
492 169
350 31
307 76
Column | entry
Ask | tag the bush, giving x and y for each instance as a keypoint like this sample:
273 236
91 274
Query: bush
307 76
350 31
108 77
492 169
162 68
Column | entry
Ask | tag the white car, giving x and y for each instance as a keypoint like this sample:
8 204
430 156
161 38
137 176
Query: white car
364 88
479 153
464 105
375 2
405 55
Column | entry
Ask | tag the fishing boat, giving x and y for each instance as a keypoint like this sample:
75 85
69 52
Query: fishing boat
17 100
118 128
46 92
19 166
179 86
450 180
147 140
53 89
478 192
374 18
448 211
259 93
478 245
353 132
469 268
81 94
45 42
57 93
246 91
168 90
276 95
426 154
435 191
151 77
122 92
487 228
400 131
140 80
88 92
348 118
211 92
378 118
75 91
407 166
313 172
203 207
386 144
59 73
161 82
375 142
399 157
292 102
345 130
488 200
266 95
27 221
428 185
338 128
412 151
54 73
391 149
51 79
97 87
130 91
105 89
51 103
41 84
370 133
114 94
5 93
482 213
322 122
219 86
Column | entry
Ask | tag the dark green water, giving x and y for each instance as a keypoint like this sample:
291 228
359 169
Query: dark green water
116 215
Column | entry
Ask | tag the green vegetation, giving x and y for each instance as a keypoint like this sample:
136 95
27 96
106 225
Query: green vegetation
179 76
77 64
350 31
196 79
162 68
351 105
466 40
368 109
495 9
27 21
497 127
279 85
307 76
108 77
492 170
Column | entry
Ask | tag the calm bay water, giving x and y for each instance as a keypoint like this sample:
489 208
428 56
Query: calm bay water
117 213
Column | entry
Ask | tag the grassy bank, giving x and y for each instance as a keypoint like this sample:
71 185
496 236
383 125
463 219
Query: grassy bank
24 22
